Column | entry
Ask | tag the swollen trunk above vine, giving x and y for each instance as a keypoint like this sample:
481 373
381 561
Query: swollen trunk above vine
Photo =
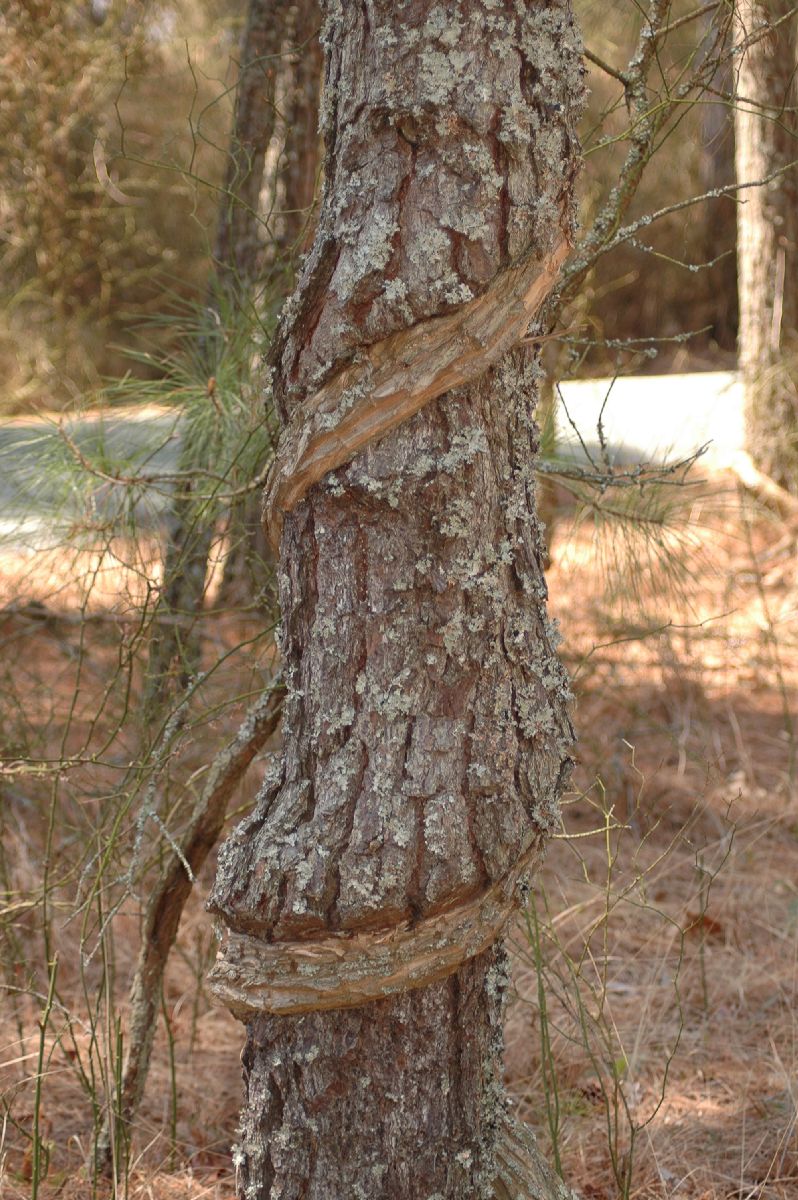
426 735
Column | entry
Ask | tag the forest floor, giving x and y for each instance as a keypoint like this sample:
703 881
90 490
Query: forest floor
671 947
656 976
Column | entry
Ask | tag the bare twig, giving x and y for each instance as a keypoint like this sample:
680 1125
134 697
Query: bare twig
168 899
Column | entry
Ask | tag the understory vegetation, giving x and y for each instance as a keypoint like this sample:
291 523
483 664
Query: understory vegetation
651 1036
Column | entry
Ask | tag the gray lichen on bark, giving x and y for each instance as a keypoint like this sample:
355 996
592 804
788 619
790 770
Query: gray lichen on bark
426 719
433 1129
444 163
426 727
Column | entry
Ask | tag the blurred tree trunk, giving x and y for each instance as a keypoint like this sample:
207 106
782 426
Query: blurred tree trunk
301 155
175 646
426 728
716 170
766 130
238 253
246 569
238 257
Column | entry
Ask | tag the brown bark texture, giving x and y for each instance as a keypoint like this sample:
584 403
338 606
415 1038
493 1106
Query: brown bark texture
346 1116
426 734
766 132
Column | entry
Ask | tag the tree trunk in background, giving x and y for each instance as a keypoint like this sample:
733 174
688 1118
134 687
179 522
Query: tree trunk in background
175 646
246 568
716 170
426 733
238 253
766 131
301 155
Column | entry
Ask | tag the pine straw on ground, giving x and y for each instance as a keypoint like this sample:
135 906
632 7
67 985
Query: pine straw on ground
667 913
677 935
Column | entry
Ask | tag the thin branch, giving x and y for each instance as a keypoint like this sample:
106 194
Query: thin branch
606 68
688 17
169 897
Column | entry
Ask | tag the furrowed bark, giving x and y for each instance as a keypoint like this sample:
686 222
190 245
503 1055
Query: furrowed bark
766 132
168 899
426 731
332 1111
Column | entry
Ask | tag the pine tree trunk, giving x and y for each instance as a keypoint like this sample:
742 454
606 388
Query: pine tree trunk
766 130
400 1098
426 729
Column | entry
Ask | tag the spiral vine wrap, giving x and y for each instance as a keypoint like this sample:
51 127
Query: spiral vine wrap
395 378
398 376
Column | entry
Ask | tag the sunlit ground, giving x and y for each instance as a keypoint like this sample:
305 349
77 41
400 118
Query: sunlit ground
666 918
